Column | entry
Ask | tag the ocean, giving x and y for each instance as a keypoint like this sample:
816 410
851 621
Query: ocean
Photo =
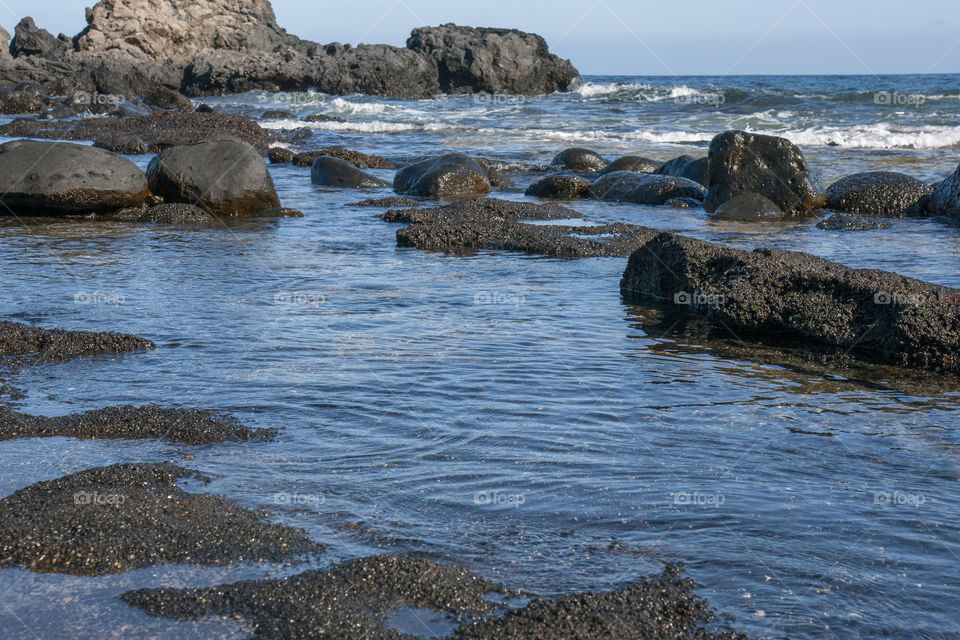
509 413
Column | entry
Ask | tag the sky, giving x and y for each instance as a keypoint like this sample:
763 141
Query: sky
639 37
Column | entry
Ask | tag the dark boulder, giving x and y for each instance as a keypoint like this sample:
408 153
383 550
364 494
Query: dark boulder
321 117
62 112
876 193
379 70
696 169
502 61
559 186
450 176
26 97
803 300
773 167
632 163
684 203
945 198
850 222
30 40
130 146
643 188
166 98
169 213
357 159
278 115
223 176
334 172
749 207
280 155
579 160
58 178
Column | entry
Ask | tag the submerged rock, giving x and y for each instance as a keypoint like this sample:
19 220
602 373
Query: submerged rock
223 176
59 178
131 516
803 299
773 167
36 343
945 198
170 213
450 176
188 426
579 160
696 169
357 159
334 172
876 193
632 163
850 222
386 203
559 186
642 188
749 207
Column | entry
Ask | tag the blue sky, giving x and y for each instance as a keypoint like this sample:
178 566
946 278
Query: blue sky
643 37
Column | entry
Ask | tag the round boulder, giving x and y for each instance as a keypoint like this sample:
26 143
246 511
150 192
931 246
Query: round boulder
876 193
579 160
58 178
559 186
334 172
749 207
454 175
632 163
223 176
642 188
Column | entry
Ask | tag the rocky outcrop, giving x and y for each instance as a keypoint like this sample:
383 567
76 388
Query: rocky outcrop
29 40
223 176
644 188
334 172
450 176
773 167
472 60
4 43
803 300
945 199
58 178
876 193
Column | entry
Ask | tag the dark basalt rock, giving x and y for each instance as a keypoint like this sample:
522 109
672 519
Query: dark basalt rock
223 176
579 160
632 163
334 172
684 203
166 98
281 155
503 61
36 343
803 299
491 224
29 40
850 222
386 203
749 207
357 159
450 176
58 178
130 516
157 130
26 97
945 198
278 115
187 426
876 193
321 117
58 113
170 213
696 169
129 147
773 167
559 186
642 188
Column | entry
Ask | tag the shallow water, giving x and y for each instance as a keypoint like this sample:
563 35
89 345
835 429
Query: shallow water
508 413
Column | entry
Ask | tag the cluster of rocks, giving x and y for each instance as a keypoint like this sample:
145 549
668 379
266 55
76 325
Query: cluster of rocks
203 47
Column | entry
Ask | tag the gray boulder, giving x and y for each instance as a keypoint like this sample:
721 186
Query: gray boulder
224 176
749 207
642 188
696 169
508 61
450 176
945 198
877 193
632 163
334 172
579 160
560 186
773 167
58 178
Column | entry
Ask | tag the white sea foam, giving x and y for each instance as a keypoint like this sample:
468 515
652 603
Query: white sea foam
595 89
877 136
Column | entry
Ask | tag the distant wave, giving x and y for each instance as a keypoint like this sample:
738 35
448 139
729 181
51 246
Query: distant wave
878 136
374 126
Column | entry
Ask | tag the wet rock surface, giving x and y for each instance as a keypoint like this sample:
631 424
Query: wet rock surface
155 131
449 176
57 178
579 160
643 188
334 172
36 343
173 213
696 169
353 600
223 176
632 163
876 193
803 299
559 186
491 224
945 198
387 203
749 207
773 167
850 222
188 426
128 516
357 159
